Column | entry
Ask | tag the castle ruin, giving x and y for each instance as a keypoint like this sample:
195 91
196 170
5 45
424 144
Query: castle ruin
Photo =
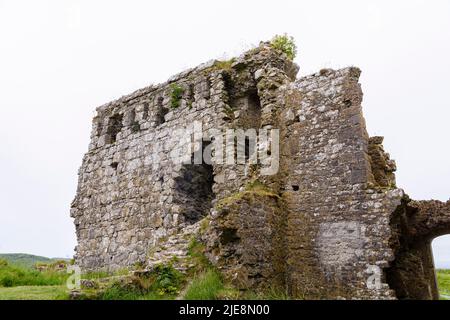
328 222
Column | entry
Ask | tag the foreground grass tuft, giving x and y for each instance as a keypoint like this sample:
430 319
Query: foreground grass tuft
205 286
268 294
164 282
118 292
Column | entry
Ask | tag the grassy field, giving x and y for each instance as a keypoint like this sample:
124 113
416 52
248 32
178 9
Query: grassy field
34 293
20 281
15 276
443 278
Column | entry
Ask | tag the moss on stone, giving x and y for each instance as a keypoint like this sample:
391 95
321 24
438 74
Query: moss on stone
224 65
254 188
204 224
196 252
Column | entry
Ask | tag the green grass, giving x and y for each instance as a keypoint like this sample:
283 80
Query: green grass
205 286
224 65
118 292
34 293
443 279
163 283
95 275
15 276
268 294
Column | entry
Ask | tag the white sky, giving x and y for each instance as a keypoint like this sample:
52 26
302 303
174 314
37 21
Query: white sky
61 59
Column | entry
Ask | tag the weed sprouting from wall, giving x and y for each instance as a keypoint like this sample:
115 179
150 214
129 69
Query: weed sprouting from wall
285 44
176 95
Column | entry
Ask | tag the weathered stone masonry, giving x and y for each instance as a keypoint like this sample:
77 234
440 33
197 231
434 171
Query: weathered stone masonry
318 228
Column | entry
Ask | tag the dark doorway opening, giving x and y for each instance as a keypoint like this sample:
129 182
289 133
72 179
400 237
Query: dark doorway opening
194 189
115 125
161 112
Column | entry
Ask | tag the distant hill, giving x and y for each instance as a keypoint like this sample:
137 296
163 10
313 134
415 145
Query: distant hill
26 260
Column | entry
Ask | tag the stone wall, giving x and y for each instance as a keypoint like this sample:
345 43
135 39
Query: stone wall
132 188
329 222
134 185
338 224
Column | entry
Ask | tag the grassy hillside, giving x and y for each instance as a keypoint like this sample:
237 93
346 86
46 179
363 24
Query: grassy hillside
19 281
24 260
27 260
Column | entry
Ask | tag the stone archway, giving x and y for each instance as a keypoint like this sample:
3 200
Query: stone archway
415 225
441 257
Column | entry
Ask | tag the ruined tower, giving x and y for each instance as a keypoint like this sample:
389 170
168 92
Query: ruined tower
321 218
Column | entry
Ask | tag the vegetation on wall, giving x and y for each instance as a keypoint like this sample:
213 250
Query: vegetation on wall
253 188
285 44
176 95
224 64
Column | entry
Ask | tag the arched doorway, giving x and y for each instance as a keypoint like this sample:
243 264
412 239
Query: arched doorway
415 225
441 257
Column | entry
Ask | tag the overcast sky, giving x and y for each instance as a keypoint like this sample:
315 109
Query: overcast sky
61 59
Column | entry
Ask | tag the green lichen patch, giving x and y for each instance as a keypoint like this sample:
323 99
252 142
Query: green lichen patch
204 224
